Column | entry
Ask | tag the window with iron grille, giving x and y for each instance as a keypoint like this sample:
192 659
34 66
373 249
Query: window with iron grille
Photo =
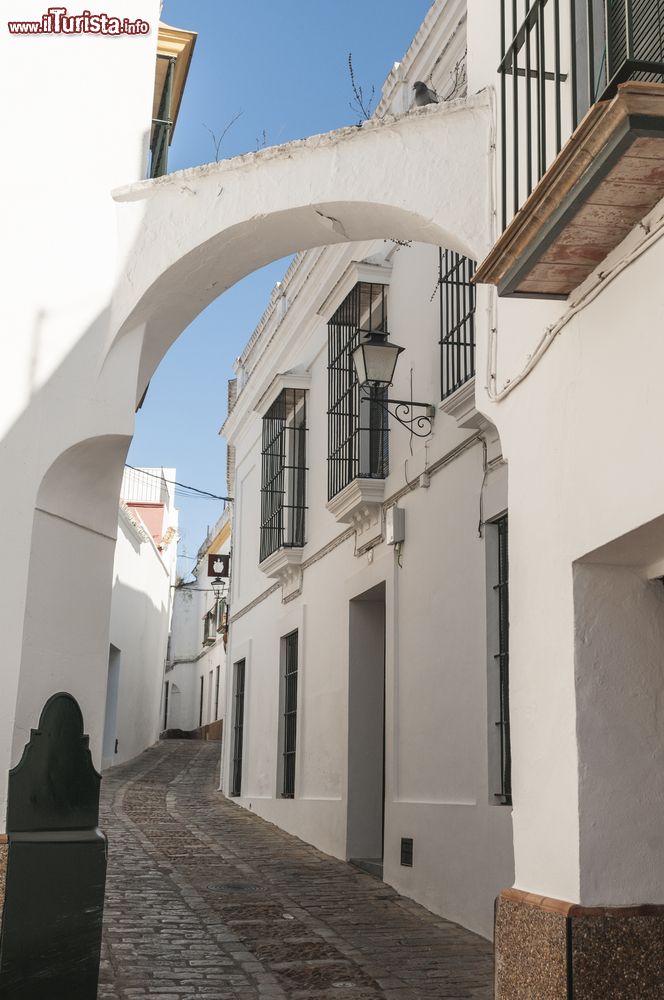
284 467
457 320
559 57
200 708
502 660
212 622
290 668
238 727
357 423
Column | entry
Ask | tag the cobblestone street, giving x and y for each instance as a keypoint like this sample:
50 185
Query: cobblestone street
205 900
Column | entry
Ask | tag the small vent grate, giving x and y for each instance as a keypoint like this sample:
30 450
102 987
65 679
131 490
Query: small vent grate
407 852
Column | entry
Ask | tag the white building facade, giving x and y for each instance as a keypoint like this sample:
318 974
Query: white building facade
141 607
194 683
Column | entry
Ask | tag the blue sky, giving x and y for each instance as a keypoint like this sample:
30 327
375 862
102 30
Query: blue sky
284 66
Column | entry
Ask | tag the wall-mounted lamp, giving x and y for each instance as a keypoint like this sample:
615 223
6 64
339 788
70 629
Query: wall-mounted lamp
375 359
218 586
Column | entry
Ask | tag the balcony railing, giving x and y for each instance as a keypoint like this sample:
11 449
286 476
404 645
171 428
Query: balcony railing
559 57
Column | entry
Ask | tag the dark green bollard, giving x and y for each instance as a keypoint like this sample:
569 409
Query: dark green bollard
56 869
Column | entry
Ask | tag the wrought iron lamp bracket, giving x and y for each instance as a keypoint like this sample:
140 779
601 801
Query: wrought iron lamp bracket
403 414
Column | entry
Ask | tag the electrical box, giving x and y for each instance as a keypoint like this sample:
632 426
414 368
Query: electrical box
395 525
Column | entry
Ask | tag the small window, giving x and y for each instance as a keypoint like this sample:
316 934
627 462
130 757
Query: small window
200 708
216 691
284 467
290 670
209 627
457 320
357 423
166 694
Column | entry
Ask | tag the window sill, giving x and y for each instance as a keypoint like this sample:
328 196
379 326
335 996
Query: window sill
284 565
608 176
360 504
461 405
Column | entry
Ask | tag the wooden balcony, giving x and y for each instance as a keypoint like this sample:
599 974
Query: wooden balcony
607 177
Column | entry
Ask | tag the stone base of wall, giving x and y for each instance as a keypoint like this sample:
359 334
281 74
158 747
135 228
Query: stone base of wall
547 949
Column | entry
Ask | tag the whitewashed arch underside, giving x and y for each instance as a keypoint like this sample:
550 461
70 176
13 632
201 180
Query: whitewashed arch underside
192 234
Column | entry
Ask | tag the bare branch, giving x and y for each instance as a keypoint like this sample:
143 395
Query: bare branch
261 141
359 105
217 141
458 78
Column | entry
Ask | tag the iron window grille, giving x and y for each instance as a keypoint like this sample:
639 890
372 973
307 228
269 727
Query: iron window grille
502 659
166 693
213 621
238 728
457 320
562 57
208 628
357 423
200 708
284 469
290 713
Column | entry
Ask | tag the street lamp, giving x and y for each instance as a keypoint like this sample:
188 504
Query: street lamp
375 360
218 587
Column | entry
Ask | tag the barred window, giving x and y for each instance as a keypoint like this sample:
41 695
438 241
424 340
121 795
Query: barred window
284 467
357 424
457 320
238 727
501 658
290 668
209 622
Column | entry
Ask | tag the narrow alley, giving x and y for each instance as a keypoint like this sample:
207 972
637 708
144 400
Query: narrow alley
206 901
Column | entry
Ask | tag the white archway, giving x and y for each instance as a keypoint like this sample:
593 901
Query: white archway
420 176
186 238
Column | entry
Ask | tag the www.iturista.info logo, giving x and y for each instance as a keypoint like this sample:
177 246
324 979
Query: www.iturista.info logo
56 21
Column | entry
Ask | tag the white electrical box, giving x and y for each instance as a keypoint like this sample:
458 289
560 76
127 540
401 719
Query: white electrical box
395 525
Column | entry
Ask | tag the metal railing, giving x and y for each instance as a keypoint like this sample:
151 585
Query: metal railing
357 423
558 58
284 470
457 320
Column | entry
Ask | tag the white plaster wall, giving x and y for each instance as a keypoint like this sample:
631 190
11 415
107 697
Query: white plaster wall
59 278
581 434
620 681
140 611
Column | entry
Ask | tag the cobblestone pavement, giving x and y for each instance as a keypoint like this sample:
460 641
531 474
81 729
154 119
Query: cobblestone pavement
206 901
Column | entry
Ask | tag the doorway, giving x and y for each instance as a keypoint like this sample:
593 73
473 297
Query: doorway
109 745
366 731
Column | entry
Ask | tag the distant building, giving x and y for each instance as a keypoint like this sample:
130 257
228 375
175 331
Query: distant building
194 683
143 582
